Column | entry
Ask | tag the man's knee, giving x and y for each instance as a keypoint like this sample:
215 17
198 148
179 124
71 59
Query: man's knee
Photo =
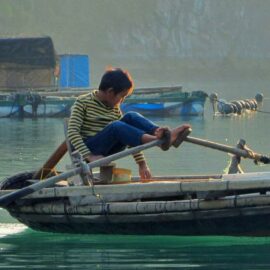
129 116
117 125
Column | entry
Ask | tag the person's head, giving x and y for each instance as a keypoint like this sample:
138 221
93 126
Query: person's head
115 85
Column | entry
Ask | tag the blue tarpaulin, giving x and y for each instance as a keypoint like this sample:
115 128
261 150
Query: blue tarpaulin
74 71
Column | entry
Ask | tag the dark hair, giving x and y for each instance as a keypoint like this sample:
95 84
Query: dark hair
117 79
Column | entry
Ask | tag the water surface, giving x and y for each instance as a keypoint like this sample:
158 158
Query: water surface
26 144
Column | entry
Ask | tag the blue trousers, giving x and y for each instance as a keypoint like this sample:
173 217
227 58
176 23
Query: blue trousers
127 131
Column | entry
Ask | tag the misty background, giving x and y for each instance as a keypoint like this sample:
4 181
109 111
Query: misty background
215 45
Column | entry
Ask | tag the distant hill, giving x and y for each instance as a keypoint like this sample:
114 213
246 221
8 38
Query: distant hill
199 35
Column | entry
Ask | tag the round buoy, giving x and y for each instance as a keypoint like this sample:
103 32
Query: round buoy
235 110
251 104
228 108
224 107
259 97
255 104
220 105
238 106
247 104
243 104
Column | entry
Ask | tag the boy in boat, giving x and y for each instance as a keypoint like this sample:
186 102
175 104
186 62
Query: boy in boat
97 127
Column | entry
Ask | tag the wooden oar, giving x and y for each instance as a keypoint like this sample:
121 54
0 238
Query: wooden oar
221 147
9 198
229 149
51 162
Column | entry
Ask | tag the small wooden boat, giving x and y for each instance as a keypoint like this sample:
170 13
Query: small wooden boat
232 204
180 205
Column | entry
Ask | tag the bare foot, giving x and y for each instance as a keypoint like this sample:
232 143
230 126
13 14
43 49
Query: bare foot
177 134
164 134
159 132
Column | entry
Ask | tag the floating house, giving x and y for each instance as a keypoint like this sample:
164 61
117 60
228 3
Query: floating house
27 63
36 82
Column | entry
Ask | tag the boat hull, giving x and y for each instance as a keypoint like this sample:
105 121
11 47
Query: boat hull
191 108
56 107
78 210
248 222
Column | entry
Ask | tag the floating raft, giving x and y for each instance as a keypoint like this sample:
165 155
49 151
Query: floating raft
233 204
238 107
149 101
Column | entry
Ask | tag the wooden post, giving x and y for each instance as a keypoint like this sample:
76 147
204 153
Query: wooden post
235 160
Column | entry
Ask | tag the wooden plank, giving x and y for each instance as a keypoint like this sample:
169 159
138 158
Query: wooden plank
143 218
140 190
255 176
76 92
51 162
148 207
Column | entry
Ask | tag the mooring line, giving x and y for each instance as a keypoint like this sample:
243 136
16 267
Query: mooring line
263 111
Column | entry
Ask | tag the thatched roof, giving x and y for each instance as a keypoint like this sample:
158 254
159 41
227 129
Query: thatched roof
28 51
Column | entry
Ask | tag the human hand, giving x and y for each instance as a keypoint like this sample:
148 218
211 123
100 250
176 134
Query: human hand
91 158
144 171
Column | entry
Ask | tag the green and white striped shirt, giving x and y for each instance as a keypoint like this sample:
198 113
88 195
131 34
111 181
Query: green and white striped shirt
89 116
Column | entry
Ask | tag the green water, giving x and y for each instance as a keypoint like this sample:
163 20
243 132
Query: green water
33 250
26 144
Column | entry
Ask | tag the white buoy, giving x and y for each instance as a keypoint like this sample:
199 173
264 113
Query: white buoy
259 97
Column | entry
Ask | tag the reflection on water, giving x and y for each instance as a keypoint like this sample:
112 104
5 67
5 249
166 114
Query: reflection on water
36 250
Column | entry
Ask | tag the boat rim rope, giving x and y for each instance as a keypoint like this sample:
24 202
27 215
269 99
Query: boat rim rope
90 177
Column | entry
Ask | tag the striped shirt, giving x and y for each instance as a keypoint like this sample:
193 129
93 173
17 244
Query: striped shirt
89 116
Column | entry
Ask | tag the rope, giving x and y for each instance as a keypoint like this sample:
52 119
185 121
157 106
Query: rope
250 152
97 195
90 177
257 159
263 111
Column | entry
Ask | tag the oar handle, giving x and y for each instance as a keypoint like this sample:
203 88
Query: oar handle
228 149
15 195
129 151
